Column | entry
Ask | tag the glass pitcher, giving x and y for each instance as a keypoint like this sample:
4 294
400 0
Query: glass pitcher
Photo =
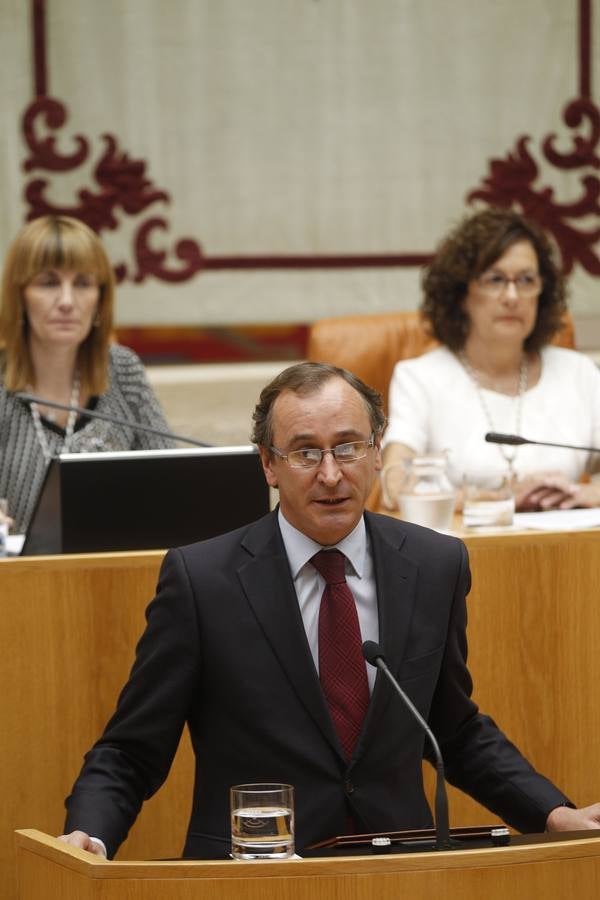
423 490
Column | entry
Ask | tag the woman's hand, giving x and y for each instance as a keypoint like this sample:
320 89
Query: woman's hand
554 491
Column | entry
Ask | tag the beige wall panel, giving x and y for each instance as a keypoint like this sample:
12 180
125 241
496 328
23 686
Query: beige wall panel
296 127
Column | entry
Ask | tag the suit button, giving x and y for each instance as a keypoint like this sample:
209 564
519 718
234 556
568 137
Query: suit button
348 787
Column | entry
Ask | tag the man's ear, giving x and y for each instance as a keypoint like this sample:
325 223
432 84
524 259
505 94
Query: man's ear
377 452
266 459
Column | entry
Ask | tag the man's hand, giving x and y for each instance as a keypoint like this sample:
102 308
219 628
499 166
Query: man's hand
83 841
563 818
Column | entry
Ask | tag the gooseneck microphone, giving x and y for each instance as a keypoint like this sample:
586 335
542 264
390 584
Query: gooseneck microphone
115 420
515 440
373 654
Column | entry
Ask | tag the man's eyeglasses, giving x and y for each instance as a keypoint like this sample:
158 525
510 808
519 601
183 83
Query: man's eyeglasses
494 284
311 457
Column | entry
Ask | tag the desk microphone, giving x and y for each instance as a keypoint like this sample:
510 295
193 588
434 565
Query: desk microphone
515 440
373 654
115 420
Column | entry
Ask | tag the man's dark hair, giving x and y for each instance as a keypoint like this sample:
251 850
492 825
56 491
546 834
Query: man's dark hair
474 245
304 379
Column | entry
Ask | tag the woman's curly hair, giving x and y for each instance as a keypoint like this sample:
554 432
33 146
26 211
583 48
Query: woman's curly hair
475 244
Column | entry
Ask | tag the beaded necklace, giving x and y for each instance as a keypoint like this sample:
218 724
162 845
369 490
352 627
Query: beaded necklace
508 457
69 428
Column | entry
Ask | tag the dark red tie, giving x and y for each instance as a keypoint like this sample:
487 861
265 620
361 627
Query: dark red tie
342 668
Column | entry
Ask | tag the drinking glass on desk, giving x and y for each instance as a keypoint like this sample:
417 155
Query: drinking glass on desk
488 504
262 821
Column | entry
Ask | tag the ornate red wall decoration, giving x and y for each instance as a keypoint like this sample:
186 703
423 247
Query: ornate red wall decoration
121 186
511 181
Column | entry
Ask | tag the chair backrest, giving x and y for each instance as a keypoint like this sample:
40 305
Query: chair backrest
371 345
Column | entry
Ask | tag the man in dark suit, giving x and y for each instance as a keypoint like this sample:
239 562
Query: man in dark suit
237 646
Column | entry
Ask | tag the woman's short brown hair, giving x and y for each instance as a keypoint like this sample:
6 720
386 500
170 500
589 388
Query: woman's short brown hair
474 245
57 243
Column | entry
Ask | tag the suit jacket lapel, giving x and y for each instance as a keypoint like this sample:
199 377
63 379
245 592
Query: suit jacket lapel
268 585
396 579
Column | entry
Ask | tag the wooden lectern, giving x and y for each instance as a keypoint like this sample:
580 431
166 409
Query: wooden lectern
566 868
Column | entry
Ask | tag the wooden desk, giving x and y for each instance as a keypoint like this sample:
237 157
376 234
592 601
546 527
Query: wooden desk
70 624
534 639
558 870
69 628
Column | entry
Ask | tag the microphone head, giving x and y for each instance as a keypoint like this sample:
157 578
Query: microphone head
515 440
25 397
372 652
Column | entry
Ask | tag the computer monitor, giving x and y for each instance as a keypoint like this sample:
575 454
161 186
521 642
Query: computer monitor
143 500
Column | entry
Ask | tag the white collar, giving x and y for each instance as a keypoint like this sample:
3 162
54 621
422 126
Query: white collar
300 548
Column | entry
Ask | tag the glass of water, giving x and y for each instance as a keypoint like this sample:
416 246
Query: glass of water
262 821
488 505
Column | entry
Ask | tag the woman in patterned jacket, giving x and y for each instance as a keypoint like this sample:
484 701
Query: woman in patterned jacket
56 320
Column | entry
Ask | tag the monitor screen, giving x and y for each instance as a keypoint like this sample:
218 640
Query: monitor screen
143 500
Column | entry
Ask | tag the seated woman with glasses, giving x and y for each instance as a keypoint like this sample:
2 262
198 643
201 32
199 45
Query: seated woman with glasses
494 297
56 320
